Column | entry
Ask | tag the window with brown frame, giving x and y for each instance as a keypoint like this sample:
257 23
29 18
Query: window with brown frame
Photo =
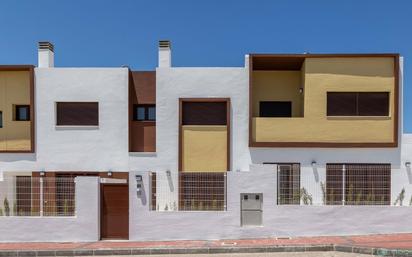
77 114
358 104
204 113
358 184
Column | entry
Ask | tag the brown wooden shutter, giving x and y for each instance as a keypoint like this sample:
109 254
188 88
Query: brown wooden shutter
204 113
341 104
77 114
373 104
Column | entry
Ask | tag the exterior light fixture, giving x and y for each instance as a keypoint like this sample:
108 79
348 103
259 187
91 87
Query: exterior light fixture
168 173
408 164
42 173
313 163
110 173
301 90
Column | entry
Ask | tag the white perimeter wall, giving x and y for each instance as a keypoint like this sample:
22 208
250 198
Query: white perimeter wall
85 226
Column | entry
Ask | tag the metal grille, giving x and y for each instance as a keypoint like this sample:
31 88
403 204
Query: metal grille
202 191
153 191
37 196
358 184
288 178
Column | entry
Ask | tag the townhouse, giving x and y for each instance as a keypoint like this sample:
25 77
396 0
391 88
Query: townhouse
286 145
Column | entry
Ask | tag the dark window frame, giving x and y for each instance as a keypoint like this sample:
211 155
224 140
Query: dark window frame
91 122
16 112
1 119
358 107
146 112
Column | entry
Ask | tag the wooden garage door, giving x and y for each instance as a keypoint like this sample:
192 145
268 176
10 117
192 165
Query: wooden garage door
114 211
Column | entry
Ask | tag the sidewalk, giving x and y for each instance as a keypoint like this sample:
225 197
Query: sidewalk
391 245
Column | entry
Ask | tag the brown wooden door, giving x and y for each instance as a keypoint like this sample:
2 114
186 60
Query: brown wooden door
114 211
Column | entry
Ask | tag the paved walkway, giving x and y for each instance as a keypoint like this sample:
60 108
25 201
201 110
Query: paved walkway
361 244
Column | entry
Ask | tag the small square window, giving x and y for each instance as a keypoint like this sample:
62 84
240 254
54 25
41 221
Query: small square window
144 112
22 113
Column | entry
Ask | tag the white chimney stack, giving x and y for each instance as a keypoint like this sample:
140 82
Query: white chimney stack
165 54
46 55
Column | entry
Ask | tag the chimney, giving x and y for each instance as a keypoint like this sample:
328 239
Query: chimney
165 52
46 55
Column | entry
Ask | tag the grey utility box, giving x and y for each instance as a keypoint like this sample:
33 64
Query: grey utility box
251 209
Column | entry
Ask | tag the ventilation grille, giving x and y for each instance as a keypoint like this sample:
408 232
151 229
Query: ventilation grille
46 45
164 44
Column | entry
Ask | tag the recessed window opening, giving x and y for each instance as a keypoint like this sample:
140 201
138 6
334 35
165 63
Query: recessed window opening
358 104
144 112
22 113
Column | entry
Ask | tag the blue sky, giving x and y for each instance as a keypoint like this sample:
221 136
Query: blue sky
203 33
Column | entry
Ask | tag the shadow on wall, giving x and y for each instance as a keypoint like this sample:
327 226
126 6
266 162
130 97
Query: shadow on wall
326 155
6 157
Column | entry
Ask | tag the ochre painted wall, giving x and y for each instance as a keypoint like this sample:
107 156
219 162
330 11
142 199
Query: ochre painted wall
277 86
360 74
14 90
204 148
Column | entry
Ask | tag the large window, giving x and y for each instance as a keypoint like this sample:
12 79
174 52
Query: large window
22 113
275 109
358 184
144 112
202 191
357 103
77 114
288 187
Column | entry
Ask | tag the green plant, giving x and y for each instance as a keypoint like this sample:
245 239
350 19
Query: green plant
358 198
65 207
306 197
1 212
166 207
399 199
15 209
323 187
350 194
214 205
6 206
174 206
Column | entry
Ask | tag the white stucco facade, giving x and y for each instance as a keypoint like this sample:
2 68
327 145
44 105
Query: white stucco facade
105 148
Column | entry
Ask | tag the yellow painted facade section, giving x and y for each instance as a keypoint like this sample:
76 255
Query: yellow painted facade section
322 75
204 148
14 90
277 86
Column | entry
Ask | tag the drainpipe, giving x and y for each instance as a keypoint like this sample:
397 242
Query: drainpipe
343 183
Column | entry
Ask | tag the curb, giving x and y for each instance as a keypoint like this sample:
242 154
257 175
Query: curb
208 250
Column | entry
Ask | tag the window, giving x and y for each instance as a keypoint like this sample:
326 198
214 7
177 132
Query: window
201 191
1 119
204 113
288 188
358 184
275 109
77 114
357 103
144 112
22 113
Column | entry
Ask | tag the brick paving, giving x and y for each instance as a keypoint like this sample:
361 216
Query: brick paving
390 244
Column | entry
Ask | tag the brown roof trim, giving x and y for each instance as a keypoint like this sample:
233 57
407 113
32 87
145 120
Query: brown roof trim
16 67
327 55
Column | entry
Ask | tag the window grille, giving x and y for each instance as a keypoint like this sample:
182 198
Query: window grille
153 191
202 191
288 183
358 184
37 196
